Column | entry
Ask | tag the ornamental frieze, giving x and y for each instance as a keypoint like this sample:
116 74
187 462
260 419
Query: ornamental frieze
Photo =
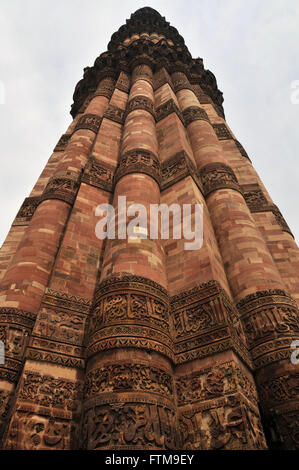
62 143
140 102
136 337
268 314
128 377
168 108
139 161
15 329
91 122
60 326
205 385
223 424
142 72
27 210
222 132
106 87
62 188
6 399
195 113
177 168
129 426
129 307
114 113
215 176
204 318
123 82
161 78
98 174
280 389
181 82
30 431
50 392
66 301
255 200
63 358
215 382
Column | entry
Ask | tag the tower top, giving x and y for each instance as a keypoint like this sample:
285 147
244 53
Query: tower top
146 20
145 38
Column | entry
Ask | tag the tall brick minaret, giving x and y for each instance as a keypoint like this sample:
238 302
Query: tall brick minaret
137 343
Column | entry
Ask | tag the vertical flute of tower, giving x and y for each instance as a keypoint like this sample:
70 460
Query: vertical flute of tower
201 302
129 339
253 276
27 277
267 217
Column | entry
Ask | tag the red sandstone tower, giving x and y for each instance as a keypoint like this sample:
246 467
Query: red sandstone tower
138 343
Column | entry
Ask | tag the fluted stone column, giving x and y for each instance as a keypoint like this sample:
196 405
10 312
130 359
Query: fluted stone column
268 313
26 279
129 389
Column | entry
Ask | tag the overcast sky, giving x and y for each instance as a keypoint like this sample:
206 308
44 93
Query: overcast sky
250 45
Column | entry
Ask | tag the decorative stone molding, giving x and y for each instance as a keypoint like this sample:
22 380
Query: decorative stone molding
129 309
215 176
140 102
67 301
27 210
106 87
143 72
63 187
131 424
206 322
255 199
15 329
51 393
123 83
222 132
177 168
62 143
278 390
168 108
139 161
61 359
40 430
215 382
203 98
257 202
161 78
227 423
128 377
91 122
181 82
195 113
98 174
269 317
114 114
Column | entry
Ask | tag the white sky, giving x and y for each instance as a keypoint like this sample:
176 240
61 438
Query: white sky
251 46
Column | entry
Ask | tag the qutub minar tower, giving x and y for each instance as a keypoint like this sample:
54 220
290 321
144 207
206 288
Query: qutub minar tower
138 343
